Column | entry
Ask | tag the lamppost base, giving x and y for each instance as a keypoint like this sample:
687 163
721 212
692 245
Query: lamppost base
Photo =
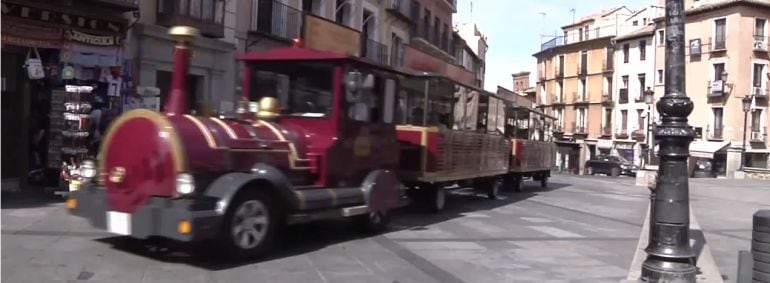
658 270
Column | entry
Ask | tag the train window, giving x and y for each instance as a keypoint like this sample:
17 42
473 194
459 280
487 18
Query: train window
411 101
302 89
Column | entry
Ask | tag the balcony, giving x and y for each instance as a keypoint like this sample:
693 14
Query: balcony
760 92
579 129
638 134
433 40
582 70
374 51
607 131
761 44
607 100
277 20
120 5
560 73
558 129
397 55
623 96
621 133
715 89
206 15
401 9
718 44
607 65
558 100
580 99
758 136
541 77
716 133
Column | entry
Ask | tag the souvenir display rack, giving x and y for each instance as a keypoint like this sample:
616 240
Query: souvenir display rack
77 129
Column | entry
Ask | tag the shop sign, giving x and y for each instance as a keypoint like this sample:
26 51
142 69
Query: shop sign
323 34
91 39
23 33
59 18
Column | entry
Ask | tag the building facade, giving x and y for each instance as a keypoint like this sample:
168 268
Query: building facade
211 82
477 45
727 60
628 125
573 76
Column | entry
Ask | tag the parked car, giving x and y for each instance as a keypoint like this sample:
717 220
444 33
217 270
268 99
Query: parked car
610 165
704 168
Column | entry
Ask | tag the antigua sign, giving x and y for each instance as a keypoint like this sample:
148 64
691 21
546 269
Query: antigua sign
90 39
60 18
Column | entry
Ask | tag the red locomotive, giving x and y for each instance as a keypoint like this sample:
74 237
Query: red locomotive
329 137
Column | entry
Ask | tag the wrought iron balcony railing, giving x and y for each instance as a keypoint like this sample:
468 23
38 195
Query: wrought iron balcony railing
607 131
374 51
607 100
206 15
401 9
621 133
276 19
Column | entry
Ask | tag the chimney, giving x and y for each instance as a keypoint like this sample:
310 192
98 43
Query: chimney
176 104
520 81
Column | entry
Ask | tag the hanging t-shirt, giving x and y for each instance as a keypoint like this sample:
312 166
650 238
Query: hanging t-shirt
114 85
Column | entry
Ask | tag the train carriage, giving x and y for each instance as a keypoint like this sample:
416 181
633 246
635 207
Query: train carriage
445 141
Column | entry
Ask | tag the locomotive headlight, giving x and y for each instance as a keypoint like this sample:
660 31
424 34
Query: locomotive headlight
185 184
87 169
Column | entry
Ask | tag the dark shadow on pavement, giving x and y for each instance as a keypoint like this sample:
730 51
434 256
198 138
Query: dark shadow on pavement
29 198
301 239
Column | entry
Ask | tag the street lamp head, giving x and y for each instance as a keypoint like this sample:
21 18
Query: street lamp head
649 96
746 103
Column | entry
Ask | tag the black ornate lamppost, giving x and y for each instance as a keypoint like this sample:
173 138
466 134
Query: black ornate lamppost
669 255
649 97
746 101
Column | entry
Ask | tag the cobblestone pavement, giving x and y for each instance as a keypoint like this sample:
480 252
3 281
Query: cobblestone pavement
580 229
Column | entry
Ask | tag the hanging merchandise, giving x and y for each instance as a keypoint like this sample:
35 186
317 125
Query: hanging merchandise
75 135
34 66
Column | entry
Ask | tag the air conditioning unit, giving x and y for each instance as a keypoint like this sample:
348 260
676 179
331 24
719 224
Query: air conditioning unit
759 44
757 136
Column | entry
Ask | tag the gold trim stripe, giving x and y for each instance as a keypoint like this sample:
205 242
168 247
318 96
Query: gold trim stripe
206 133
293 156
230 132
163 125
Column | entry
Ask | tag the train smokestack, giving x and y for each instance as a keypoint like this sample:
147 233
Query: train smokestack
176 104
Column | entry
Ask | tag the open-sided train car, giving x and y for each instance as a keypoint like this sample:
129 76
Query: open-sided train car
445 141
532 148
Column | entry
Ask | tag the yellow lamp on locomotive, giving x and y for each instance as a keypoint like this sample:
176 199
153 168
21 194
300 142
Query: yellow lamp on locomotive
268 107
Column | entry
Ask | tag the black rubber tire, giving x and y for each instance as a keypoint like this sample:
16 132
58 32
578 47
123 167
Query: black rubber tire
225 240
761 237
760 276
493 187
372 222
760 247
762 221
544 182
760 257
614 172
762 266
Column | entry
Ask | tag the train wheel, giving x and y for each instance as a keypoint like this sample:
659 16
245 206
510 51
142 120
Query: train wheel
436 199
372 222
250 225
517 182
493 188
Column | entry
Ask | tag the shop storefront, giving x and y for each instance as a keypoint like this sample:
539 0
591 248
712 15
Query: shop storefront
626 150
43 50
567 157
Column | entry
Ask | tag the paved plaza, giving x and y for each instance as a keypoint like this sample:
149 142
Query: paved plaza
580 229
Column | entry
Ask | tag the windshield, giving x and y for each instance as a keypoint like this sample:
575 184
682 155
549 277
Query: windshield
302 89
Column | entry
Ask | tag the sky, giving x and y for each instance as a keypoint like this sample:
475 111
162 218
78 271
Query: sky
514 27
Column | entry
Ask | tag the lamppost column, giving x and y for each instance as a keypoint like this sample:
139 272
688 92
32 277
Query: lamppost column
669 256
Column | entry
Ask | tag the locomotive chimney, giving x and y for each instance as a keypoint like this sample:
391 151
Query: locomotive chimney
176 104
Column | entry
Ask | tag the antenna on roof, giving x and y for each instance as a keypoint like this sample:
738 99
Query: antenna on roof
572 10
471 11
